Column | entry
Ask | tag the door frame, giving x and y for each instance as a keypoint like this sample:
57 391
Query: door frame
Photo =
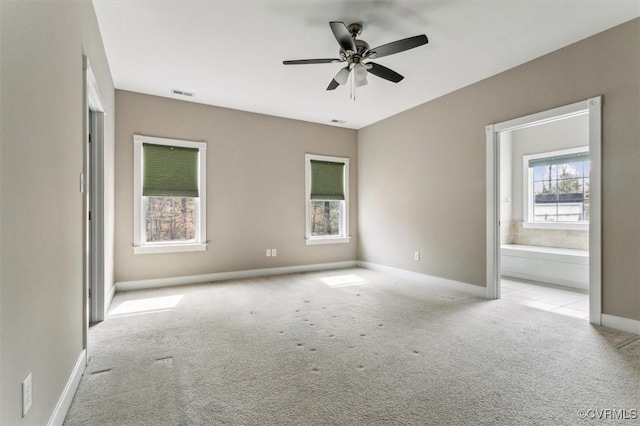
93 202
593 107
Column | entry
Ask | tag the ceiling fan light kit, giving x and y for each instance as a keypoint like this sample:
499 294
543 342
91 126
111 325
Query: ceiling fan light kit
355 51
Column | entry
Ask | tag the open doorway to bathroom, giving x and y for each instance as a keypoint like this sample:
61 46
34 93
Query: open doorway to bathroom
544 216
543 205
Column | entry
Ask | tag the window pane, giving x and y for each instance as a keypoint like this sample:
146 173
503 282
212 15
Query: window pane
561 192
325 218
170 219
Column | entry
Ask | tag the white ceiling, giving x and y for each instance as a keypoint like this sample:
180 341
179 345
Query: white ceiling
230 53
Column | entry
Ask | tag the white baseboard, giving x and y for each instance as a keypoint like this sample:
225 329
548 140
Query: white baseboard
476 290
109 298
64 402
220 276
581 285
620 323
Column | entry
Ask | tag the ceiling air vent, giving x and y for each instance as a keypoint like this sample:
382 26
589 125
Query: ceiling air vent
336 121
181 93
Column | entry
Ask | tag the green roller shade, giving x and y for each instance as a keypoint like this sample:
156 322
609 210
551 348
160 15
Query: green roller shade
169 171
327 180
560 159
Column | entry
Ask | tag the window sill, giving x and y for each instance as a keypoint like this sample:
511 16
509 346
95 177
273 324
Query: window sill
168 248
557 225
327 240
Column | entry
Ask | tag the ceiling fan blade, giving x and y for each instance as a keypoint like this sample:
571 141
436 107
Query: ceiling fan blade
342 34
384 72
333 85
400 46
311 61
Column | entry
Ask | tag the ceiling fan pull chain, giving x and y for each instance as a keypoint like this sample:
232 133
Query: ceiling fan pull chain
352 84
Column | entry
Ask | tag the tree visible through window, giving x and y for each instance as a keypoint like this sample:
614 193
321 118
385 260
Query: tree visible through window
327 203
560 188
325 217
170 195
170 219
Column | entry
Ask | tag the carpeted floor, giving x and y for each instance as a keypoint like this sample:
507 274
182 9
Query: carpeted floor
349 347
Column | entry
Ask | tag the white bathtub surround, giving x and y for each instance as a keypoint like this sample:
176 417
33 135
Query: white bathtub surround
560 266
571 239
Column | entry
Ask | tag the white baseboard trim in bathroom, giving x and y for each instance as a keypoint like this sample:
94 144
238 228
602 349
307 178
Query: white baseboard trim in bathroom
64 402
109 298
620 323
445 283
221 276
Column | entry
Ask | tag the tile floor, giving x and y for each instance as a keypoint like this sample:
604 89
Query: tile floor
559 300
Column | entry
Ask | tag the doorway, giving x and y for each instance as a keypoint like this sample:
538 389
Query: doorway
540 206
93 204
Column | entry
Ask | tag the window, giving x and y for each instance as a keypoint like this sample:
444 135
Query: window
327 199
169 195
557 184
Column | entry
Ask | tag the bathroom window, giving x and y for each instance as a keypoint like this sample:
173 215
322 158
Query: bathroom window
557 188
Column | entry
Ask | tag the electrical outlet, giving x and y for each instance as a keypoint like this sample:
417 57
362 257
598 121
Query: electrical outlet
416 255
274 253
26 395
268 252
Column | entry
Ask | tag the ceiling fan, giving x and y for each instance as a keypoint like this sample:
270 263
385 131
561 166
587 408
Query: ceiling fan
355 52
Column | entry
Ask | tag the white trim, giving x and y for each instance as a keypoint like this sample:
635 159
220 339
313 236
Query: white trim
620 323
567 226
93 95
64 402
327 240
438 282
593 107
595 210
221 276
344 236
168 248
109 298
549 116
139 246
493 218
93 201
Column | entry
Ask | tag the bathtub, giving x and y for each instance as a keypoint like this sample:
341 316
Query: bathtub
559 266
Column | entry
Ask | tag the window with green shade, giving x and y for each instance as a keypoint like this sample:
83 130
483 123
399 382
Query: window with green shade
327 199
327 180
169 193
170 171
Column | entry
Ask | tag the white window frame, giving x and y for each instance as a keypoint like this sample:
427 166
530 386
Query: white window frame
140 246
344 236
527 191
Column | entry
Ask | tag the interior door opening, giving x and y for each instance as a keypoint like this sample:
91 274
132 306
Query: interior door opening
544 215
93 205
543 210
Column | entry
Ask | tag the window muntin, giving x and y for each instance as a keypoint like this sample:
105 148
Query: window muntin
327 199
169 195
557 185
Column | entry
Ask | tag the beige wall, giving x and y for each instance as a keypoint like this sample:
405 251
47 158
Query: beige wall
41 282
422 183
255 186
